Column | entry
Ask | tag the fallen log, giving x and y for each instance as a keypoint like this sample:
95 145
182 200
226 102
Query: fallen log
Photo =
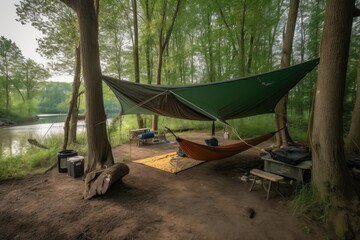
98 182
35 143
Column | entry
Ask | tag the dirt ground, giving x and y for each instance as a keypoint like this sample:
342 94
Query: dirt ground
204 202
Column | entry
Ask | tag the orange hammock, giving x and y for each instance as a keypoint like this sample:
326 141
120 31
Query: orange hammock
205 153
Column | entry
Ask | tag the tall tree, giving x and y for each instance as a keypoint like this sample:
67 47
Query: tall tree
354 134
242 38
314 29
70 124
99 149
136 54
330 176
29 80
282 137
54 97
164 38
101 170
10 60
148 9
115 31
59 43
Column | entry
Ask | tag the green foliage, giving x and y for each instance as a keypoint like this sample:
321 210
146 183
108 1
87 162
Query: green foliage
55 97
34 159
11 167
111 104
9 115
207 44
11 59
41 159
58 25
20 80
251 126
245 127
308 202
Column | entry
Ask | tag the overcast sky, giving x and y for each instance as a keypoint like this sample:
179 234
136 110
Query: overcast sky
23 35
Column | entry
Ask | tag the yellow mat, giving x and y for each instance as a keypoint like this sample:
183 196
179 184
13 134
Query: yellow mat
169 162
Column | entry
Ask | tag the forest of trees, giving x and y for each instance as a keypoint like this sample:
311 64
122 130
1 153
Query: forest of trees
187 42
25 90
210 41
20 79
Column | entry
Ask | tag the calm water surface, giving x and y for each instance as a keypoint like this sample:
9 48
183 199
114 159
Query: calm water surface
13 140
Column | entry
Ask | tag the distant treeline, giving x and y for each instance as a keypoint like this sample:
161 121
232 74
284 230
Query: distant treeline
54 97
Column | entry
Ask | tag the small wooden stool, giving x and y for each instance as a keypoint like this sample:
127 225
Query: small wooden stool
257 173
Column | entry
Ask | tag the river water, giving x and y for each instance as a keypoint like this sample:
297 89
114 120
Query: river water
13 140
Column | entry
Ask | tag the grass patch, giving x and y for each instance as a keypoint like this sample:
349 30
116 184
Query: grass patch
307 202
12 167
253 126
34 159
246 127
37 160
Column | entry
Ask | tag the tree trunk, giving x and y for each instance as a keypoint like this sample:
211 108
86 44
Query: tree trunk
98 182
210 48
73 122
99 149
354 134
330 175
158 82
164 38
136 55
76 86
242 38
73 101
283 137
148 45
250 53
310 121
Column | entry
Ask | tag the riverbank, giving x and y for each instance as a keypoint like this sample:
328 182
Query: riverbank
10 123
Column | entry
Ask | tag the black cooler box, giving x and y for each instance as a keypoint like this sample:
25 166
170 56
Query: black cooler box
75 166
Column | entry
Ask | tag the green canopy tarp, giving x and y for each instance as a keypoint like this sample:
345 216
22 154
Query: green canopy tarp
221 101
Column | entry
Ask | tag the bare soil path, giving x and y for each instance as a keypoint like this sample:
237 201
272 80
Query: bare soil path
204 202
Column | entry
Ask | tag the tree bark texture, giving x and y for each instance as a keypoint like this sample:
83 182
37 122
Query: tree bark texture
73 103
354 134
99 148
282 137
164 38
136 55
98 182
76 86
330 175
148 45
251 47
242 38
